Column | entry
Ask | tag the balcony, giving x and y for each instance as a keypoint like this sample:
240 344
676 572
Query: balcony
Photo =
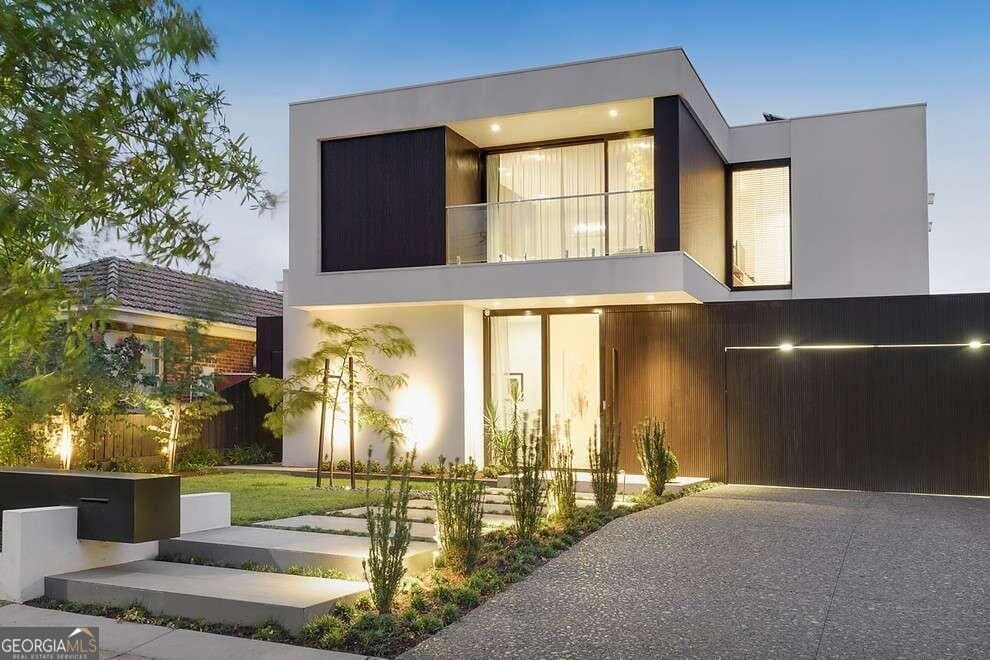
549 228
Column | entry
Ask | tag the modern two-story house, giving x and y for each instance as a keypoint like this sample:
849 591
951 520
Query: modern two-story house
595 236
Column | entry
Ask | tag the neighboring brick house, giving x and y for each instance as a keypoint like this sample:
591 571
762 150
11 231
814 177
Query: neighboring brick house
152 302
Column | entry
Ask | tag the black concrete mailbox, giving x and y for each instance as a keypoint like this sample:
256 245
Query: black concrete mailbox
113 506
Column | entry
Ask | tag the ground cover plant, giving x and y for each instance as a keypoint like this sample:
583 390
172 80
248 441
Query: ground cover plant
426 604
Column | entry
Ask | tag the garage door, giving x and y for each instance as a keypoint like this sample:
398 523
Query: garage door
891 419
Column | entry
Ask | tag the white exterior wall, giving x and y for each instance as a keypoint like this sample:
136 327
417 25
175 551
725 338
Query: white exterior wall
443 399
859 204
859 200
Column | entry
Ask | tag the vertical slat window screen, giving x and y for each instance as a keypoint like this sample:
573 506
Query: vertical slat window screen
761 226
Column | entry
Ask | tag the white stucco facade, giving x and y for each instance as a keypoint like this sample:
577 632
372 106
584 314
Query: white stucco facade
442 401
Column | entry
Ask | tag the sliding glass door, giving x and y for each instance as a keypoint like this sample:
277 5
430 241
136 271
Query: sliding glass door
564 379
575 394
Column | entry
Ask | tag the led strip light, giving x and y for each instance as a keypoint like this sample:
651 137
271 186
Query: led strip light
787 347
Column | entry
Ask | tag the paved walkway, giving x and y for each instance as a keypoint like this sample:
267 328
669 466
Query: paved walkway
754 572
125 640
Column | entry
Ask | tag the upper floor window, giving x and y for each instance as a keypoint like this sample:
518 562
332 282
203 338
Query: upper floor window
761 226
575 200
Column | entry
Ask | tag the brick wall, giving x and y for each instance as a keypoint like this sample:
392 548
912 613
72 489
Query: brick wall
237 356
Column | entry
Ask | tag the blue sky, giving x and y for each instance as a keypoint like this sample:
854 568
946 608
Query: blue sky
789 58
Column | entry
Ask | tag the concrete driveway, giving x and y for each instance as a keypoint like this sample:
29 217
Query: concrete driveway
743 571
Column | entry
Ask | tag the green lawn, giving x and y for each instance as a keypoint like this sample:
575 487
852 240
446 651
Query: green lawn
255 497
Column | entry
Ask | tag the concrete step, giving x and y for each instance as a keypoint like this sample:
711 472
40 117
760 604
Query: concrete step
422 531
283 548
488 507
426 515
220 595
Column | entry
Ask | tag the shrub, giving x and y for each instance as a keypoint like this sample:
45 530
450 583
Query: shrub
528 488
458 502
343 465
659 463
428 469
466 597
270 631
486 582
449 613
375 467
360 466
253 454
429 624
603 455
116 465
197 459
562 486
388 529
490 472
325 631
374 634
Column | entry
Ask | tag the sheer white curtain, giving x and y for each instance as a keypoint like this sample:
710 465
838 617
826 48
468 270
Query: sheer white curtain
526 217
630 213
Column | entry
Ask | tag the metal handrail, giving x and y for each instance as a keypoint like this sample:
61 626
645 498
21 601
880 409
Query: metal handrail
547 199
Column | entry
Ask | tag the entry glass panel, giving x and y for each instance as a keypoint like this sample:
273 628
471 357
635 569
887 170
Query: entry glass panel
573 371
516 365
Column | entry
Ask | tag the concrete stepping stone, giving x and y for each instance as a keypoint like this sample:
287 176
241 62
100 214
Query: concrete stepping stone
221 595
283 548
341 524
422 515
488 507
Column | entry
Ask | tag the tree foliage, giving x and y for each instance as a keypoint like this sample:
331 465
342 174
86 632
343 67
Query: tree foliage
107 128
302 390
184 397
77 383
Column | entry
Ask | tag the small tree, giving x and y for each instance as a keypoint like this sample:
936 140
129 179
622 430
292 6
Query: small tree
528 484
563 486
459 498
389 534
183 398
603 455
322 379
659 463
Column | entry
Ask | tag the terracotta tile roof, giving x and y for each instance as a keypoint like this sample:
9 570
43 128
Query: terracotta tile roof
157 289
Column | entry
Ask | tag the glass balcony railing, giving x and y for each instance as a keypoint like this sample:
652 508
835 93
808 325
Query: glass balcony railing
593 225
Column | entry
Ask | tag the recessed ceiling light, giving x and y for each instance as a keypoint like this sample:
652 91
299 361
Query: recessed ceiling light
651 297
976 343
495 128
786 348
497 303
613 113
569 301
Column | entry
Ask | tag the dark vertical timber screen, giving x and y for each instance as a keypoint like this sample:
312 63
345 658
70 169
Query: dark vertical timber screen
906 419
637 377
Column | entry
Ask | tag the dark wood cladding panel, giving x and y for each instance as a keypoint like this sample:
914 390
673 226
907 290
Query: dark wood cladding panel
911 420
666 172
702 196
873 419
268 346
465 174
383 200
